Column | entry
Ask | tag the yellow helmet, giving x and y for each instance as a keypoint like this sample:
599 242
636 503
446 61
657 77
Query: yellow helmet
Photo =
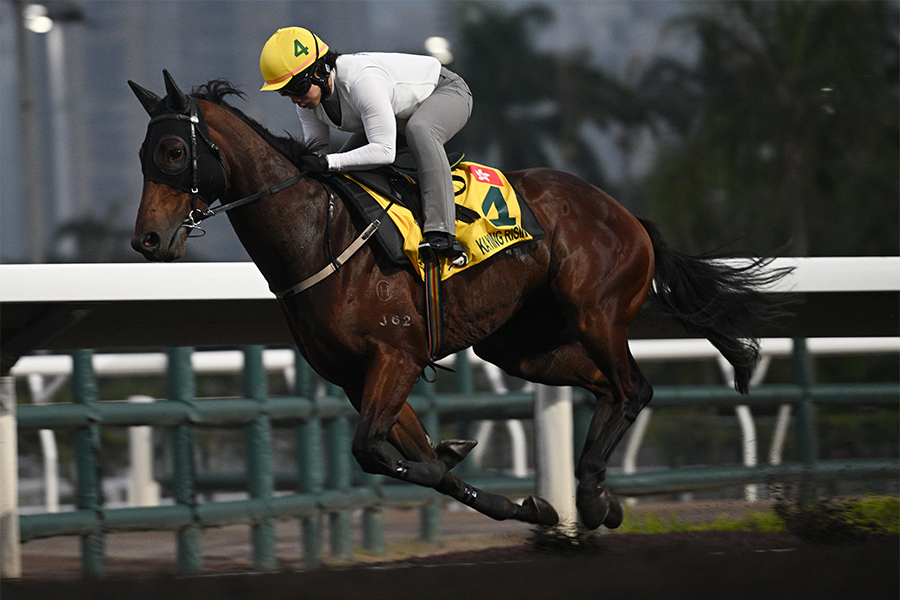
289 51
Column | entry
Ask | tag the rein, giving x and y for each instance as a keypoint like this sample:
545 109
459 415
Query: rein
197 216
336 262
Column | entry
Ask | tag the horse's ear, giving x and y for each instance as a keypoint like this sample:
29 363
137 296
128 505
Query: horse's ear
176 101
148 99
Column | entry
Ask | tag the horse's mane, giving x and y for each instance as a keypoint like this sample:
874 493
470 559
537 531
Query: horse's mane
216 90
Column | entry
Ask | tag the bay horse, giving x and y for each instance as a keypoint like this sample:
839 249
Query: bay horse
555 313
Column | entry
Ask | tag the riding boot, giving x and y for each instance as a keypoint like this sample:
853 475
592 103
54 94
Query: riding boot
442 244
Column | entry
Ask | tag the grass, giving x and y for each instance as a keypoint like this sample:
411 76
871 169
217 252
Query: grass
841 518
846 519
825 522
755 521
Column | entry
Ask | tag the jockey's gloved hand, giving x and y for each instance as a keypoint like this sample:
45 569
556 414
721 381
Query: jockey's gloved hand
313 164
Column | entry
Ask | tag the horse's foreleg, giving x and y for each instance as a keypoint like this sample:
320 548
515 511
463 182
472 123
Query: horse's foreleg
409 437
532 510
383 408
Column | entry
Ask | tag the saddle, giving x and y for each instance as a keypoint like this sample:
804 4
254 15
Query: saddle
391 184
397 186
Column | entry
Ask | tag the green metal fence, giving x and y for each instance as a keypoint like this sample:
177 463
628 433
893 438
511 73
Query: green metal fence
324 490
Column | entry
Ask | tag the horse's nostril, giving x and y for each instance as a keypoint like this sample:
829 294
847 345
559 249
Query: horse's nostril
149 242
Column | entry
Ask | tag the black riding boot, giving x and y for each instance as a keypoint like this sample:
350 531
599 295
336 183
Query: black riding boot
442 244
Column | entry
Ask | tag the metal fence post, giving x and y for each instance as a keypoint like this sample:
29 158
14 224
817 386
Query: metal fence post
805 421
10 547
337 434
309 462
373 527
465 384
261 479
373 516
430 513
182 388
87 457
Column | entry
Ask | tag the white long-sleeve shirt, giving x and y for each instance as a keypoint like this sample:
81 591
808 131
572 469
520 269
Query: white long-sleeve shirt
378 92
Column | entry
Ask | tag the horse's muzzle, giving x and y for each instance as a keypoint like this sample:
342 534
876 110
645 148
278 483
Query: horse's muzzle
150 245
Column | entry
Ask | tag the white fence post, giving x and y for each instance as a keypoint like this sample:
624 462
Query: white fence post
554 451
633 444
10 550
41 394
143 490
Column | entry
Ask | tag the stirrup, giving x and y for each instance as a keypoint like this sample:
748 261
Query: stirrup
443 246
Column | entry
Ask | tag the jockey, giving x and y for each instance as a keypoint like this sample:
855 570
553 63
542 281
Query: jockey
375 97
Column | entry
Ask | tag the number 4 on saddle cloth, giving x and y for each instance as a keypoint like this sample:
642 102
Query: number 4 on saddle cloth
490 216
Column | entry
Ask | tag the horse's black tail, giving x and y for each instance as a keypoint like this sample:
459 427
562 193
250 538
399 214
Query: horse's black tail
721 300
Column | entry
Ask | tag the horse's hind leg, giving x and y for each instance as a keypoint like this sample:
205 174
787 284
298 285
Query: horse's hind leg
617 407
596 505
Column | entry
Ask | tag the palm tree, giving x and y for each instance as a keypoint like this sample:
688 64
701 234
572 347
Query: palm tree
788 127
530 106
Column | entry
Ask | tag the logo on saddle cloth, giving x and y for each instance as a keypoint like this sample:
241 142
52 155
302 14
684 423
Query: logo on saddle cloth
490 220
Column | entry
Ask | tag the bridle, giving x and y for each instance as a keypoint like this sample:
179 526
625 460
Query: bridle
198 215
199 175
198 172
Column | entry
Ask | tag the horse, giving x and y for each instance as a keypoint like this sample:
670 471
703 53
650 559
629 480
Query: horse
554 312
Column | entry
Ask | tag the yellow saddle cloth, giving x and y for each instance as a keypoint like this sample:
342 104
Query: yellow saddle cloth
496 224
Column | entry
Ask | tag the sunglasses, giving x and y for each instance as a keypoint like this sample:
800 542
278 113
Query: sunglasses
297 86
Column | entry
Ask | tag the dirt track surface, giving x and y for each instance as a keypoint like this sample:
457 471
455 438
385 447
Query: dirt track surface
479 558
635 566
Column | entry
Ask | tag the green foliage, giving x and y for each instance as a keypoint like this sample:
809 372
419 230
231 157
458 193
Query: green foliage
836 521
781 137
531 105
829 521
861 432
788 129
712 440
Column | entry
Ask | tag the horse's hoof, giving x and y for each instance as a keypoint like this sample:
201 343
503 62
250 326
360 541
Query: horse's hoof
537 511
593 507
452 452
616 513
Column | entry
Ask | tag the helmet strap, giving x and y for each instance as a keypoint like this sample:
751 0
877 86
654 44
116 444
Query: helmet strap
314 77
322 81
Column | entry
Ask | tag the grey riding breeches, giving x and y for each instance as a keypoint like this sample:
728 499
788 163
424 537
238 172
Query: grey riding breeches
437 120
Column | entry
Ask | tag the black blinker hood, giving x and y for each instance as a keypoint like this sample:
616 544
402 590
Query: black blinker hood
178 117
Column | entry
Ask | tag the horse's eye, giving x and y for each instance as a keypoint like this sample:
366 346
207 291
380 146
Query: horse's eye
171 156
